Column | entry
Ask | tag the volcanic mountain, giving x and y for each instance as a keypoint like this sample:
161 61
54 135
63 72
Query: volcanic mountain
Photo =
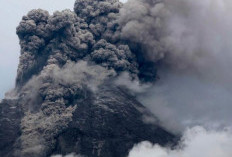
65 99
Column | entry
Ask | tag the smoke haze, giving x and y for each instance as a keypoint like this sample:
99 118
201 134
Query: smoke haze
173 55
190 41
194 68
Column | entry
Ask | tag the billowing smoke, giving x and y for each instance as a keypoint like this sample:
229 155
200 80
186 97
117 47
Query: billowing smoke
64 36
64 58
195 142
187 35
58 68
190 43
173 55
140 23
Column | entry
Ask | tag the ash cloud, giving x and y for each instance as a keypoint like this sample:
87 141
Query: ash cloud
174 55
182 34
189 42
193 66
71 36
64 57
140 23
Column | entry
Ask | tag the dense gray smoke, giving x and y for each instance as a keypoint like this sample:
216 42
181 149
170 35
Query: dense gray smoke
57 67
141 23
186 35
195 67
64 36
192 50
64 57
69 54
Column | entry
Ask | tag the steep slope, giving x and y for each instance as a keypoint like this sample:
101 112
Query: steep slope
10 119
106 123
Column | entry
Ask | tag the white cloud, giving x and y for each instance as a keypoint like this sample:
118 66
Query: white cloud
69 155
123 1
196 142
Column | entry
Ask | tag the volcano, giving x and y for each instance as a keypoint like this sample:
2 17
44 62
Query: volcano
65 99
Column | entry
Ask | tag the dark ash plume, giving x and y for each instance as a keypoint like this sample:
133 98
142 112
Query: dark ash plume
141 23
189 42
65 92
